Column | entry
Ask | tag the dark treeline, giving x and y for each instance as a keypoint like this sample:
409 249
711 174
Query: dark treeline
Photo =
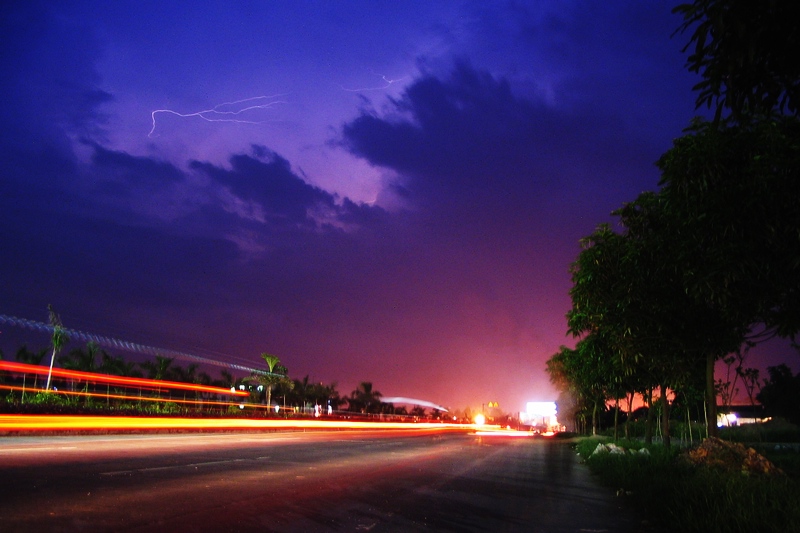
268 389
708 265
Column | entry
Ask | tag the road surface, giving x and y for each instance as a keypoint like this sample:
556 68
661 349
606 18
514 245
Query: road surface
316 481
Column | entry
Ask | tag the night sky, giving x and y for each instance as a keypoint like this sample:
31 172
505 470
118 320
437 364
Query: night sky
370 190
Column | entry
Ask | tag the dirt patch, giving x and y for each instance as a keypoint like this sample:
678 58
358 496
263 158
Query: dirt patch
731 456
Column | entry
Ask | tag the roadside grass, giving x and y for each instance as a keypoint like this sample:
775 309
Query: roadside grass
678 496
787 459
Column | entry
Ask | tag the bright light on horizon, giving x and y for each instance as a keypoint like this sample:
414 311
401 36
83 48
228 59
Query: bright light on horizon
541 409
540 414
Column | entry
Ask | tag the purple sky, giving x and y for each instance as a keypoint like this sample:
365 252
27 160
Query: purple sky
381 191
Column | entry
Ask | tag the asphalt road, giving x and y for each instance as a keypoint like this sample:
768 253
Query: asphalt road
335 481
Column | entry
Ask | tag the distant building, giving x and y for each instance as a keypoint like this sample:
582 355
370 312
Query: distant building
737 415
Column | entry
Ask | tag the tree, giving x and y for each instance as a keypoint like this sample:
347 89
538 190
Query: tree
780 394
588 373
81 360
418 411
185 375
613 303
629 288
364 398
58 340
117 366
746 54
160 369
332 396
302 391
276 374
732 194
24 355
751 382
730 186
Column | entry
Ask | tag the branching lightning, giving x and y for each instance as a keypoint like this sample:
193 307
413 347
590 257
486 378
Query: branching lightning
226 111
387 82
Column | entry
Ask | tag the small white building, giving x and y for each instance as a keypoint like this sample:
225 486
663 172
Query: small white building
737 415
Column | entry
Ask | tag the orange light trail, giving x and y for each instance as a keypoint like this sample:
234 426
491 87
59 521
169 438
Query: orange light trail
73 423
102 395
117 380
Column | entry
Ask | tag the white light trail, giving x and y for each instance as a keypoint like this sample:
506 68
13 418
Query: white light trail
110 342
412 401
226 111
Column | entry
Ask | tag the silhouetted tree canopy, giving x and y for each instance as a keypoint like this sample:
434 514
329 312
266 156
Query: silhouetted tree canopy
747 54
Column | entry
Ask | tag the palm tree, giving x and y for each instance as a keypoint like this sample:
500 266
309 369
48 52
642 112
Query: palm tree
160 369
117 366
276 374
302 390
185 375
364 398
333 397
271 361
84 361
418 411
79 359
58 340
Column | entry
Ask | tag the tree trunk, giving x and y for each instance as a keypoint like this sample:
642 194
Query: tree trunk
594 419
629 398
50 372
711 398
665 416
616 419
651 413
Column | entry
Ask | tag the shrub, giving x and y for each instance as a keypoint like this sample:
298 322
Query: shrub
689 497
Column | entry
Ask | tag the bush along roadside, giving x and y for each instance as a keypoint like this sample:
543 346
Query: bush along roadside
716 487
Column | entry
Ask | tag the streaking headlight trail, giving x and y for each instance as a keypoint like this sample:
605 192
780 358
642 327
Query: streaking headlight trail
113 343
413 401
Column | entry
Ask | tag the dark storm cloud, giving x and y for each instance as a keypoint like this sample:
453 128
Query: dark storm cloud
55 86
240 253
448 132
268 180
466 142
142 171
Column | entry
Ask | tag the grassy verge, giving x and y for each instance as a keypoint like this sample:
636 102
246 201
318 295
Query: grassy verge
683 497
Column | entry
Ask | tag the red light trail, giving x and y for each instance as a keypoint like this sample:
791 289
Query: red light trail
93 377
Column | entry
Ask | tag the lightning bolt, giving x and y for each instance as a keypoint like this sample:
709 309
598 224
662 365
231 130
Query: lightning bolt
387 82
226 111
